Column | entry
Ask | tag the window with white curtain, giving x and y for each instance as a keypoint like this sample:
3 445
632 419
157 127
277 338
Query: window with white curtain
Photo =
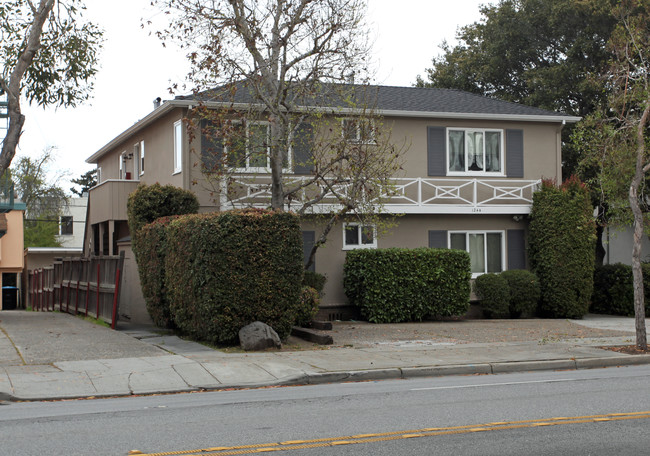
485 248
472 151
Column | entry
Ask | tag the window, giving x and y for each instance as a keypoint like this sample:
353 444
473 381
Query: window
247 147
178 146
141 158
138 159
99 175
485 249
474 151
65 225
121 166
358 236
358 131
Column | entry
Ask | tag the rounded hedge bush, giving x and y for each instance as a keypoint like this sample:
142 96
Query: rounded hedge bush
494 293
308 306
524 292
314 280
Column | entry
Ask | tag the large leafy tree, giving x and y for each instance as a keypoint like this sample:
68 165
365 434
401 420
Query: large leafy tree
289 58
615 140
536 52
44 199
48 56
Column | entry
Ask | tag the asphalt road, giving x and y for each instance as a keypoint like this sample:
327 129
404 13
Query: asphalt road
588 412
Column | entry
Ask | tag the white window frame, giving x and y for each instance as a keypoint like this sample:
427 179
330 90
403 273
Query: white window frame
260 169
468 172
120 164
61 225
99 175
485 254
357 125
141 157
360 226
178 146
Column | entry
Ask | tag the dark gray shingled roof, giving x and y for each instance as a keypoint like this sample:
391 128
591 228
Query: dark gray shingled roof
391 98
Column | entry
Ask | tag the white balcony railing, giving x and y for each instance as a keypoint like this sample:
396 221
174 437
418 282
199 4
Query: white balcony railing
404 195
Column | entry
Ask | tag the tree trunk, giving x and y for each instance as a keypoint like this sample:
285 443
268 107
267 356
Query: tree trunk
277 152
637 272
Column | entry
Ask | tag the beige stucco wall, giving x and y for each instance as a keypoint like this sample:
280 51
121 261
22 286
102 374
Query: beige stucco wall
132 304
12 243
159 153
541 153
411 231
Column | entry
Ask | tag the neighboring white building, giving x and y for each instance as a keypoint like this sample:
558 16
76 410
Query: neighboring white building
72 223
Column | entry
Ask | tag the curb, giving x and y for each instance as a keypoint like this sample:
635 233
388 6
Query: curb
318 378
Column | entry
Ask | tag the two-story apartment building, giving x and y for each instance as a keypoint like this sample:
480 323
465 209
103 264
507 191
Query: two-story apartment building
469 173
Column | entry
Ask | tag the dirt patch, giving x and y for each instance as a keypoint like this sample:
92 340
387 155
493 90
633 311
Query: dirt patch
627 349
363 334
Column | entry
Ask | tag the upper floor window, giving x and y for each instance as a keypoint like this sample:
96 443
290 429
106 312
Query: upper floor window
358 131
485 248
138 158
358 236
178 146
65 225
474 151
248 147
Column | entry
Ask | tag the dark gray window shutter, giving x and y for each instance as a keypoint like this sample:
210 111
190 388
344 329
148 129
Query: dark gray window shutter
515 153
438 239
302 144
211 147
436 151
308 239
516 249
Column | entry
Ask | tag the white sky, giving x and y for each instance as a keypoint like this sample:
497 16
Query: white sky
135 69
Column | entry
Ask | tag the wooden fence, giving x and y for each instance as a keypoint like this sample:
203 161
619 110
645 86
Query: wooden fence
89 286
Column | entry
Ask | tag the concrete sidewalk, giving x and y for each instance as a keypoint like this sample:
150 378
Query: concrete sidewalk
55 356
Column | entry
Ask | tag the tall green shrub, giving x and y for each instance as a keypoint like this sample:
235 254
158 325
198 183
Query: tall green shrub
562 245
395 285
226 270
146 205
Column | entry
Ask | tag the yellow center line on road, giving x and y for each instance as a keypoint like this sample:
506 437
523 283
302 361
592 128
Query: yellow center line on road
397 435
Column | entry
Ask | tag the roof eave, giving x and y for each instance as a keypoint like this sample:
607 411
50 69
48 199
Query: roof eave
154 115
169 105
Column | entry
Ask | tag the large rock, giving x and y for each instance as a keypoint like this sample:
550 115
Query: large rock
258 336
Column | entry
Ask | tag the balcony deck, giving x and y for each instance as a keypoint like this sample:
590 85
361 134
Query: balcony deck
403 195
109 199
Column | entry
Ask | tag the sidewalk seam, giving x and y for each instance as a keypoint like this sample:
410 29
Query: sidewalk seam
13 345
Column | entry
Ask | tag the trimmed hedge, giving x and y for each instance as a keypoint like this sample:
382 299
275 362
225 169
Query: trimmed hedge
614 290
494 293
226 270
524 292
146 205
152 250
562 248
397 285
